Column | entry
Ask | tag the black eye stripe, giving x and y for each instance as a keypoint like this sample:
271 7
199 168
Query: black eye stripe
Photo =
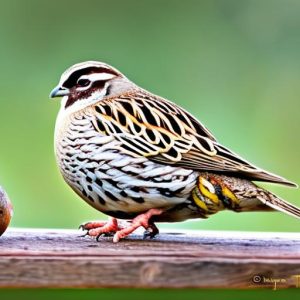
71 81
77 94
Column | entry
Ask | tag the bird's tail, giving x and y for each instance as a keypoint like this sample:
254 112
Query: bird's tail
271 200
241 195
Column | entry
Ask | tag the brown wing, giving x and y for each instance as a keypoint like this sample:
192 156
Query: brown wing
150 126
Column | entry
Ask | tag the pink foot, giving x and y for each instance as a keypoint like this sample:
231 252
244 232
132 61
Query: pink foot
140 220
99 228
111 226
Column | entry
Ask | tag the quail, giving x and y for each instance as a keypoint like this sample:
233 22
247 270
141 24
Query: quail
136 156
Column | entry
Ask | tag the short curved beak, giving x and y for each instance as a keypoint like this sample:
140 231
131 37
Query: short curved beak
59 91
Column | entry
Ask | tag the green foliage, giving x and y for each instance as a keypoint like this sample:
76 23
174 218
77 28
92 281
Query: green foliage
112 294
234 64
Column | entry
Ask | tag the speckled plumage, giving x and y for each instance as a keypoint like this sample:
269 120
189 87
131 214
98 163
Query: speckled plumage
113 182
126 151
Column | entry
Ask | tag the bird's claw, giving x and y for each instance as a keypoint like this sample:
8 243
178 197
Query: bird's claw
85 234
81 227
104 234
148 234
151 232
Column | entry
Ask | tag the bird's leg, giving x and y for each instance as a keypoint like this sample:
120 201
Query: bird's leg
99 228
140 220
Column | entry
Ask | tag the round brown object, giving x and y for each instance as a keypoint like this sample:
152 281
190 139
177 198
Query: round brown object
6 211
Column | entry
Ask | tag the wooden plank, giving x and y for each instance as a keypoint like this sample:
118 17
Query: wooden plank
206 259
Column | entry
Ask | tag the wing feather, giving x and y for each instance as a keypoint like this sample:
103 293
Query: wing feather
150 126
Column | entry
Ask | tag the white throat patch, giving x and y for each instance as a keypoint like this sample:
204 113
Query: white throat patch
95 97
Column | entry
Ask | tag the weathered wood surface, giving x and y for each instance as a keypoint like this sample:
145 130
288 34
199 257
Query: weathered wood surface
60 258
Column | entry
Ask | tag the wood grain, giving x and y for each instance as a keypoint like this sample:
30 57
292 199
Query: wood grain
61 258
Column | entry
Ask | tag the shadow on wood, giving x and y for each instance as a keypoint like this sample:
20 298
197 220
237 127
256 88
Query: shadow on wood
61 258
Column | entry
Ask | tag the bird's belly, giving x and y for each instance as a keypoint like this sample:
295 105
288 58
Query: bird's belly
120 183
114 182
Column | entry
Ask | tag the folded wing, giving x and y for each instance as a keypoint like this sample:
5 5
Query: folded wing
155 128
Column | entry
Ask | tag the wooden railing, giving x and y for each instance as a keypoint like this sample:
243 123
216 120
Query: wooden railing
201 259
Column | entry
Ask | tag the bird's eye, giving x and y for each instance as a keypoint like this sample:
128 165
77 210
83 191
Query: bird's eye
83 82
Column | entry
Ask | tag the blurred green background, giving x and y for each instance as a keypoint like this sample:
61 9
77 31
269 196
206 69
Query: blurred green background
234 64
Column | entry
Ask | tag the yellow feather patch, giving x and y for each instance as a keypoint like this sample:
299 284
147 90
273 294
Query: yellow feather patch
198 201
229 194
205 192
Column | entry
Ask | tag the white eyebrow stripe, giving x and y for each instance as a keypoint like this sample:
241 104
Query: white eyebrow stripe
84 65
97 76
